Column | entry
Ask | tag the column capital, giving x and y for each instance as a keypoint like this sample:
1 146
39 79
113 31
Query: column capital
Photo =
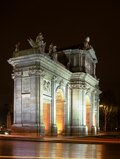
36 71
54 78
17 73
78 85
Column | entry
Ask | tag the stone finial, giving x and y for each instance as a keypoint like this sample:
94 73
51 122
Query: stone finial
87 39
86 43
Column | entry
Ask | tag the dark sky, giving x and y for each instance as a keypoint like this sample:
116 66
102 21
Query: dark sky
65 23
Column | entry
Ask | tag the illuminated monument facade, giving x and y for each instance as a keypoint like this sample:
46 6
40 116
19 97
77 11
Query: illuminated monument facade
55 91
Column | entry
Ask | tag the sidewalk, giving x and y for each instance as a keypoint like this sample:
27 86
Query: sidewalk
63 139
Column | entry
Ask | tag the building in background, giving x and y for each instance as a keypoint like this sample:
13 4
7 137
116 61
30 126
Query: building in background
55 91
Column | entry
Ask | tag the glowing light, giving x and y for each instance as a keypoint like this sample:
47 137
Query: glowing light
60 111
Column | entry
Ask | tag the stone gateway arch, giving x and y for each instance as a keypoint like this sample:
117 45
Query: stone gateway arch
56 91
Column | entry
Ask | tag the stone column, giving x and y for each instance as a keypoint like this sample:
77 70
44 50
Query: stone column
42 127
93 113
37 97
67 111
80 107
53 107
83 99
33 97
17 98
33 101
97 111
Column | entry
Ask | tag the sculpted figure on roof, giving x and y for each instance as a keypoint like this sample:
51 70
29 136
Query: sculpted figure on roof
39 43
87 46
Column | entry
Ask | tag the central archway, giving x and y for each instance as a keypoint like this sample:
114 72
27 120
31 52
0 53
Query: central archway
60 111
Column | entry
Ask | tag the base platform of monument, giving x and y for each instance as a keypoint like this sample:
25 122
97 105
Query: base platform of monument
25 129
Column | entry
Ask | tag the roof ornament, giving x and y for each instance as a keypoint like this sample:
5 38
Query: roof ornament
39 43
52 48
52 51
17 47
87 46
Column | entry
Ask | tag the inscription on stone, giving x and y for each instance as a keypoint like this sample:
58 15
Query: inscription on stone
25 85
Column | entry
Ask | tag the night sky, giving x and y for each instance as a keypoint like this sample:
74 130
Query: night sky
65 24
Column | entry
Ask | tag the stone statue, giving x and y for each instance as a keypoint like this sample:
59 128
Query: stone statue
17 47
32 43
50 48
39 43
54 48
86 44
52 51
39 39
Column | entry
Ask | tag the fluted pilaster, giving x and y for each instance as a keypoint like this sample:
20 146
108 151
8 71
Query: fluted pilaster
53 106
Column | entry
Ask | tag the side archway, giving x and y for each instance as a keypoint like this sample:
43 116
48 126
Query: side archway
60 111
88 113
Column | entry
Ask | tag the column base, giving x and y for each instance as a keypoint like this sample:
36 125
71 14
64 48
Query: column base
79 130
98 130
25 129
67 130
93 130
41 130
54 130
83 130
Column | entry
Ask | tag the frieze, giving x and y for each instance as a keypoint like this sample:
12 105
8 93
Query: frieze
46 86
35 70
77 86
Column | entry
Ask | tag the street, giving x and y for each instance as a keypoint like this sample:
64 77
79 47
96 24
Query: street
48 150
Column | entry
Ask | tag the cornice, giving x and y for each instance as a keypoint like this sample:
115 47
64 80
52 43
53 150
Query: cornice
43 61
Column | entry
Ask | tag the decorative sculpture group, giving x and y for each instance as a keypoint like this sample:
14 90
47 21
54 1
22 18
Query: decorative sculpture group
39 43
52 51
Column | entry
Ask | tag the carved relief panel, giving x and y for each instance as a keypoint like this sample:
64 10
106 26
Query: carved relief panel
46 87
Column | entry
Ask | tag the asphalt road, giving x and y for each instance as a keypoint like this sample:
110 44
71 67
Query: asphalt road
65 139
49 150
58 147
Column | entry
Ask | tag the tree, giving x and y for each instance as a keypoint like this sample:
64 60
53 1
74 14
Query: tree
108 111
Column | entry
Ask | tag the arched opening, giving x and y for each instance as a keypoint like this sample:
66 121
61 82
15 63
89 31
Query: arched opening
46 117
88 113
60 111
